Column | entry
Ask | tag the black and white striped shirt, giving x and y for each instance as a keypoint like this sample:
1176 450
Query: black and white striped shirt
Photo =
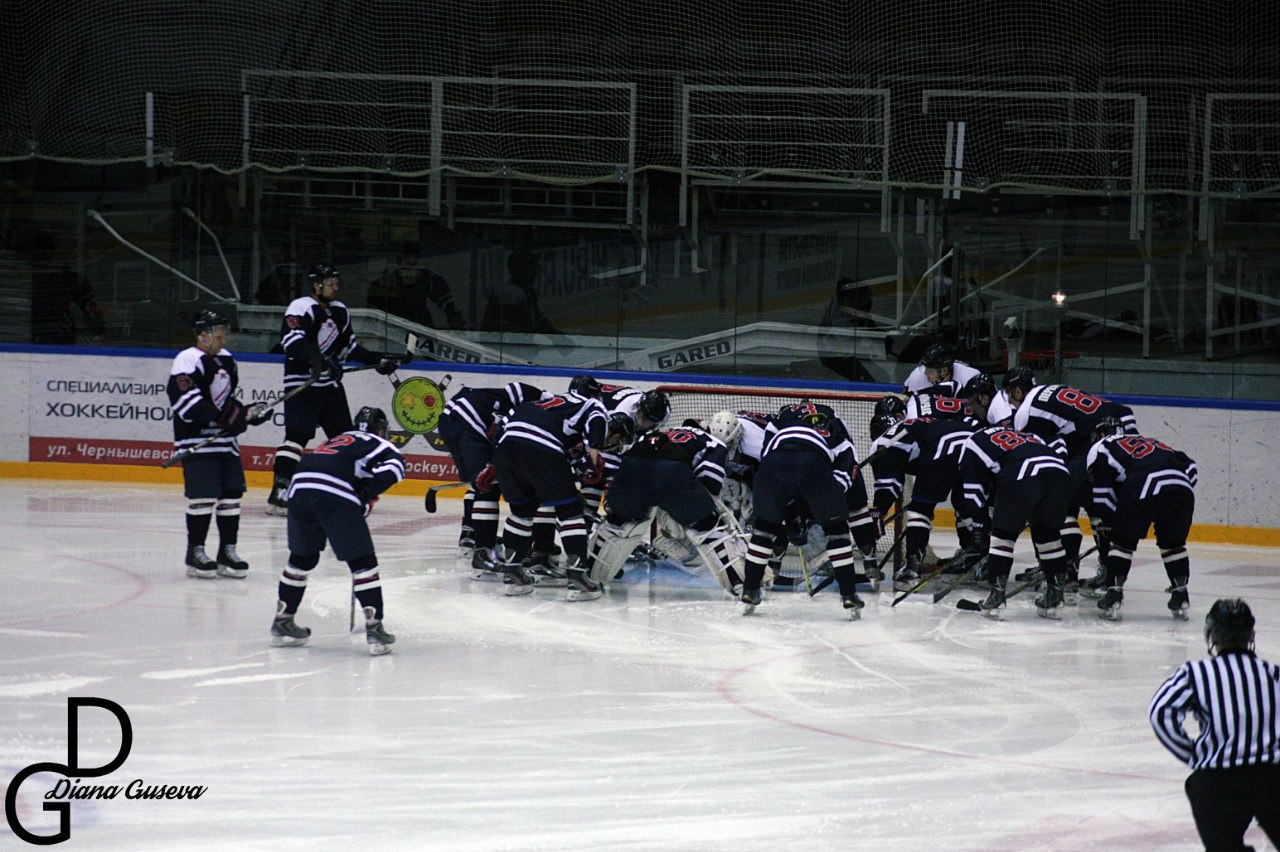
1234 698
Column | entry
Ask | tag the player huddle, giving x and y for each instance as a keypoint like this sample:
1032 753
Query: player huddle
599 465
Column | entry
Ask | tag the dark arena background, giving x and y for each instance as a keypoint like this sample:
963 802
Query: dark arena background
741 204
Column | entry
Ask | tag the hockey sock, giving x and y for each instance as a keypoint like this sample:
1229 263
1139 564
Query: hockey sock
544 528
573 532
1070 535
199 514
1177 564
288 455
468 504
1053 559
1118 563
863 530
293 580
917 536
227 512
840 552
759 550
484 520
1000 557
366 584
964 532
517 533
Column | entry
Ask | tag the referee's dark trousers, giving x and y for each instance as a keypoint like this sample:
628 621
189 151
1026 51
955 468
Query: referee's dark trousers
1223 801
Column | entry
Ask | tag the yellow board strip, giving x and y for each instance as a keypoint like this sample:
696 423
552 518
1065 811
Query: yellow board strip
943 518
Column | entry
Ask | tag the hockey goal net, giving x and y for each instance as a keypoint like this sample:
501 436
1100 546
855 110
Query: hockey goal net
855 408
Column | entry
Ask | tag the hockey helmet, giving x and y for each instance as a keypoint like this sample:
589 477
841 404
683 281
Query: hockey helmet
584 385
1021 376
938 356
655 406
206 320
1228 626
622 426
882 423
891 405
724 426
320 273
979 385
1106 427
371 420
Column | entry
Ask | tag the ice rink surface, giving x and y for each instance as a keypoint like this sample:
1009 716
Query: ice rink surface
657 717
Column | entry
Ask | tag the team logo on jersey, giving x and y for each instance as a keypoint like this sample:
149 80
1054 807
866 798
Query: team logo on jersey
417 404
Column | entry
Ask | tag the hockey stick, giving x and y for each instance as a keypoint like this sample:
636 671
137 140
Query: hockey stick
429 501
831 578
929 578
182 454
974 606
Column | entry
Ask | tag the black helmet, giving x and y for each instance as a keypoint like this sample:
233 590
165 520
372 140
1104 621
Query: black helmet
937 356
321 272
892 405
584 385
371 420
655 405
882 423
622 425
206 320
1020 376
978 386
1228 626
1107 426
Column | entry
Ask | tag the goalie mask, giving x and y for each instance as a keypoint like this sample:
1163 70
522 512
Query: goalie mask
724 426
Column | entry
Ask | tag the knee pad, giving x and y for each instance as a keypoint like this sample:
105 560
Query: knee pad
303 563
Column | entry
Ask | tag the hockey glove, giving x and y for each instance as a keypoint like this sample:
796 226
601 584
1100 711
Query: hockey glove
487 479
368 507
579 461
877 521
258 413
387 366
334 366
232 419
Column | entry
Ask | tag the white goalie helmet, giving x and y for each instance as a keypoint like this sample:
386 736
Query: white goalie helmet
724 426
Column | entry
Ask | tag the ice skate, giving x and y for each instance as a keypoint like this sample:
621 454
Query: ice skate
516 579
545 570
376 635
1049 604
1179 600
581 586
277 500
1095 586
230 564
994 606
750 600
871 567
284 632
199 565
852 605
486 566
1109 605
906 579
1071 592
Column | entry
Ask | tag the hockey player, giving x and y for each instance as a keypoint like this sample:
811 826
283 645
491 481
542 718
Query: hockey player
807 457
533 468
678 471
330 496
1025 482
1066 416
990 405
647 410
939 367
466 426
202 386
1139 482
929 450
316 334
938 407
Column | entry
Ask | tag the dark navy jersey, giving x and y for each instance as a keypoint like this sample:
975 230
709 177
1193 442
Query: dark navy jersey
199 387
1061 411
558 423
477 407
810 424
355 466
703 453
994 457
911 447
308 327
1132 468
941 408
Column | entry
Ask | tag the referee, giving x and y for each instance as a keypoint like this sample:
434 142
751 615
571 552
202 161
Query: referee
1235 697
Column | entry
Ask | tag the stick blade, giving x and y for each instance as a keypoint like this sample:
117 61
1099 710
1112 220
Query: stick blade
968 605
429 502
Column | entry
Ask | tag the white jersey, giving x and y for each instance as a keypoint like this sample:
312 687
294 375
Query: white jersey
961 373
1000 411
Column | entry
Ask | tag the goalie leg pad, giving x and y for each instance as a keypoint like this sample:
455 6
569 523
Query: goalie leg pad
723 551
673 540
611 545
